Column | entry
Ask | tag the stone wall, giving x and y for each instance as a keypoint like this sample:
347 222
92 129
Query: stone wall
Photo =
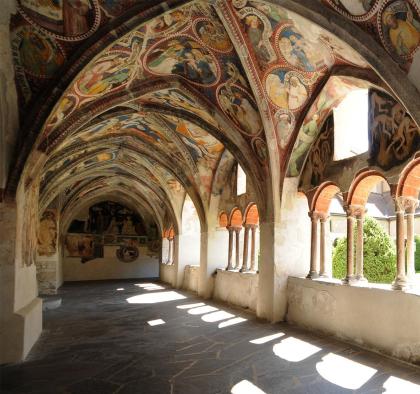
236 288
167 273
381 319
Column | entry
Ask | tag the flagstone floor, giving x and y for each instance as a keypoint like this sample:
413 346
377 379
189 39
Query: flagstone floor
143 337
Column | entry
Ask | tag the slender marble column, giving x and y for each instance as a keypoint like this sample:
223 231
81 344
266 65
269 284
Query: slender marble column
350 245
359 244
230 266
244 267
168 261
313 271
237 256
400 282
411 206
253 231
323 247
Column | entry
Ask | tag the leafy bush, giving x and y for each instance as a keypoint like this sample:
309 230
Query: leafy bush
378 254
417 255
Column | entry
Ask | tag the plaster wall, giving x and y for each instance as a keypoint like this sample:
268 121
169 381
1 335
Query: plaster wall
236 288
188 254
381 319
167 273
284 251
191 274
109 267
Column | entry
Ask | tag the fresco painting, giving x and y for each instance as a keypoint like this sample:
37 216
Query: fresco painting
393 136
213 35
239 106
185 57
401 29
304 53
47 233
66 18
286 89
331 95
284 122
176 98
36 53
356 7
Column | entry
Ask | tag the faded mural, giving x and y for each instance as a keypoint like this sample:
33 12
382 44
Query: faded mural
47 233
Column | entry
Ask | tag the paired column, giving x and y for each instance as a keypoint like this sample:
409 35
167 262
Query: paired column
404 205
313 271
237 240
411 205
253 248
359 213
230 265
318 268
170 251
244 267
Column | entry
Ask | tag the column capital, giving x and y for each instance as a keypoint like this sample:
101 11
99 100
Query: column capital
406 204
237 229
315 216
355 211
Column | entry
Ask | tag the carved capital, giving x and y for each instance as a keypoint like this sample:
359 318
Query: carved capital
406 204
355 211
315 216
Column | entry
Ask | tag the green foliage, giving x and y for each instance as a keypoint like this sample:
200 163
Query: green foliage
417 255
379 257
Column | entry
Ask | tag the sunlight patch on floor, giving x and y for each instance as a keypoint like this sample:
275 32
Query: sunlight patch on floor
156 322
189 306
268 338
231 322
149 286
154 298
395 385
216 316
294 350
344 372
202 309
246 387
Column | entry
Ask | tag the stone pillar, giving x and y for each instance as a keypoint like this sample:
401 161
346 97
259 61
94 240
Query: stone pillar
350 245
253 231
411 205
400 282
323 247
230 266
244 267
359 244
237 254
313 271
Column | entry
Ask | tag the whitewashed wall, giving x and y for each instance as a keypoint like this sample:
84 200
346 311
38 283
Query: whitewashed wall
167 273
191 274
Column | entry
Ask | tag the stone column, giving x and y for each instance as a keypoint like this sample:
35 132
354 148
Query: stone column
237 256
170 251
244 267
323 247
411 205
350 245
359 212
313 271
253 231
400 281
230 266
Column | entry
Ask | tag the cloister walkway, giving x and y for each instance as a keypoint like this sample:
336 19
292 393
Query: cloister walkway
142 337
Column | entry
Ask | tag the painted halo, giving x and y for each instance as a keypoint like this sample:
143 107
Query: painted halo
399 28
302 53
239 106
74 20
184 56
286 89
212 35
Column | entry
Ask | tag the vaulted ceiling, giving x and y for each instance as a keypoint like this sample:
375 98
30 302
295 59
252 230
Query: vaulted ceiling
121 97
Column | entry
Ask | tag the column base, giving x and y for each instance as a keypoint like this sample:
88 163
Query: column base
361 278
244 270
349 280
312 275
324 275
400 284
